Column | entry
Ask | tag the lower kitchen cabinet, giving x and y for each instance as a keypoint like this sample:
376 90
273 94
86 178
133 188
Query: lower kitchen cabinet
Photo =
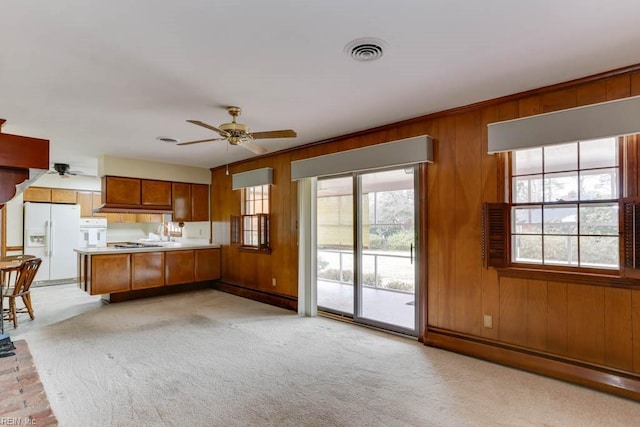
179 267
207 264
110 273
147 270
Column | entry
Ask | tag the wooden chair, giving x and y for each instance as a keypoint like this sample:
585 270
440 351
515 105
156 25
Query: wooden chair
20 286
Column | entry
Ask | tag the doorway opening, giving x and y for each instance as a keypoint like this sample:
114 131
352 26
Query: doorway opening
366 252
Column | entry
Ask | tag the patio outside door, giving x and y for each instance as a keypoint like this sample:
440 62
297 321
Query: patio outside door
367 262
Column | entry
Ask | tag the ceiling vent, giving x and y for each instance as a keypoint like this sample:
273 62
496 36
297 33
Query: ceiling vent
365 49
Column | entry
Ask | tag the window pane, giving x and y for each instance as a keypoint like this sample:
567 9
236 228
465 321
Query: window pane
561 250
561 157
527 189
527 220
561 219
599 252
560 187
526 162
527 249
599 184
599 153
599 219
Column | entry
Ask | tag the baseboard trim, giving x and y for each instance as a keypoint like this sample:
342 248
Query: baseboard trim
615 382
282 301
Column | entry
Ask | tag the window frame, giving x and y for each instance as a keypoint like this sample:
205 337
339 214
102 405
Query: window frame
510 205
497 227
262 220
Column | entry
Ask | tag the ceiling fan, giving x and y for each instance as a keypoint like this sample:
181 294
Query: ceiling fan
238 133
64 170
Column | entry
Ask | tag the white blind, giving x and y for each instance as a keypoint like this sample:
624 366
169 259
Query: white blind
613 118
398 153
252 178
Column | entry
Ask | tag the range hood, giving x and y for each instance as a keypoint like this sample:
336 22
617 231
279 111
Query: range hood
118 208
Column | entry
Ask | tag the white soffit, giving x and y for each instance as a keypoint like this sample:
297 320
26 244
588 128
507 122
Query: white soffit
252 178
398 153
613 118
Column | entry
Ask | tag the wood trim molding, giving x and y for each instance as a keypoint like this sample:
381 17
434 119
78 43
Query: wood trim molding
583 278
600 378
282 301
14 248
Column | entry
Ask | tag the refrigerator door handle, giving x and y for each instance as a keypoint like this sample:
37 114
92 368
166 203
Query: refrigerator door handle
51 245
46 238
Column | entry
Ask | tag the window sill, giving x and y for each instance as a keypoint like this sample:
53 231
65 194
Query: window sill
601 279
254 249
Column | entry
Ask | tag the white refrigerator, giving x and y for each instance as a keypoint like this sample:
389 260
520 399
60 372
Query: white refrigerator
51 232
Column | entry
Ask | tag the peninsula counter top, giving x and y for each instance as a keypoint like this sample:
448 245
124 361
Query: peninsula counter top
159 247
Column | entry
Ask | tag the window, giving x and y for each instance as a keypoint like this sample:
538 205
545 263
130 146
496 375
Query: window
564 205
251 229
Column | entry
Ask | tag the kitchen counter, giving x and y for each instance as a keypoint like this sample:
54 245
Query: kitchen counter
163 246
124 273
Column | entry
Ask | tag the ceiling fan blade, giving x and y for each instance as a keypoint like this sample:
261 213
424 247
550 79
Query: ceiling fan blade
199 141
253 147
288 133
204 125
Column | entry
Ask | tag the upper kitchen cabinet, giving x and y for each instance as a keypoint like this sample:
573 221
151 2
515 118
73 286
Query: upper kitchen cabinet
117 190
155 193
190 202
88 201
181 201
62 195
124 194
37 194
199 202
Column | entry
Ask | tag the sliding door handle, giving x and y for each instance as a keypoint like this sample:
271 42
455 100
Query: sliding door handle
411 253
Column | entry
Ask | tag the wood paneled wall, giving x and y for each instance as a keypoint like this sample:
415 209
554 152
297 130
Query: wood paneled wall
591 323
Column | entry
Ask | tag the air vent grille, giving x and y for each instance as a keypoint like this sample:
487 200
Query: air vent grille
365 49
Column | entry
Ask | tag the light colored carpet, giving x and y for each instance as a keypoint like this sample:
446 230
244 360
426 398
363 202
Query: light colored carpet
207 358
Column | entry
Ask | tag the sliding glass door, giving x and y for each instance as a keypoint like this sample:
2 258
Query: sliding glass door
366 248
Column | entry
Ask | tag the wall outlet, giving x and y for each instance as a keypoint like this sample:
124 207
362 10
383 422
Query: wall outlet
488 321
273 281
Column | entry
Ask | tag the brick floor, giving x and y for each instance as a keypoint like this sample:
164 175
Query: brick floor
23 400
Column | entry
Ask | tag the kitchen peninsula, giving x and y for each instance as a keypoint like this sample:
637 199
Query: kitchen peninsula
122 273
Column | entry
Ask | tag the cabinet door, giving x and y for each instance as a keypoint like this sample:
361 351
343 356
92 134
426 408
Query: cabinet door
110 273
179 267
85 201
199 202
155 193
207 264
147 270
121 191
96 201
61 195
37 194
181 196
113 217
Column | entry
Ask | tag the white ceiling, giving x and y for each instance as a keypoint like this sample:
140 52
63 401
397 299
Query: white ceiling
108 77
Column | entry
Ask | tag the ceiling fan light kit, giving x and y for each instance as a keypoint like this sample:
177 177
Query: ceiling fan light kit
238 133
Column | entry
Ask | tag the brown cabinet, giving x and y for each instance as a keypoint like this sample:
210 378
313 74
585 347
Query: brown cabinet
62 195
179 267
37 194
147 270
155 193
207 264
110 273
199 202
119 190
181 201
